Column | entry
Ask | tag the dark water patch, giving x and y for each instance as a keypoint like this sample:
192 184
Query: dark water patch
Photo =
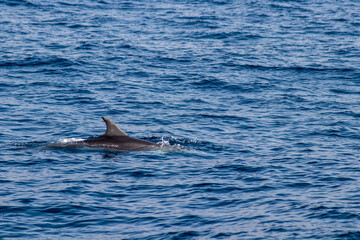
209 83
336 179
239 168
171 60
79 26
299 185
226 203
353 235
15 3
262 188
345 91
221 85
111 195
135 174
177 235
225 117
192 220
5 181
214 188
299 69
334 133
86 45
37 61
236 35
65 210
11 209
334 214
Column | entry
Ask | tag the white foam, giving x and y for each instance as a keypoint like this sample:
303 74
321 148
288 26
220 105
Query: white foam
70 140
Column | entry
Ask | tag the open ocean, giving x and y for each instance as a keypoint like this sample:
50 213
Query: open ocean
256 104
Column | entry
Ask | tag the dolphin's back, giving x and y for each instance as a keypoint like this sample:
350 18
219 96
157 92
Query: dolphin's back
115 138
125 143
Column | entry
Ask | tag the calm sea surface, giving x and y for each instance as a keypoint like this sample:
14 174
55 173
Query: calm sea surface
256 104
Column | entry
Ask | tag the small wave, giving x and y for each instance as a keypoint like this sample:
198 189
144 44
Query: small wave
210 83
294 68
226 35
238 168
350 235
333 213
14 3
345 91
37 61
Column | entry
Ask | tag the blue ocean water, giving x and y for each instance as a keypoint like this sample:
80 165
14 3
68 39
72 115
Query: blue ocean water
257 101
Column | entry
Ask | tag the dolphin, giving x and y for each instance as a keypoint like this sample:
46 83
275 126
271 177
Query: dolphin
115 138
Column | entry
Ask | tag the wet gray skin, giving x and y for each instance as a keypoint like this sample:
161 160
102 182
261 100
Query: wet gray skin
115 138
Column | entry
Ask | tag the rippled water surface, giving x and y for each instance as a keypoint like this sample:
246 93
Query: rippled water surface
256 104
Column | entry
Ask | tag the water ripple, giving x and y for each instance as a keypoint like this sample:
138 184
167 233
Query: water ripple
255 105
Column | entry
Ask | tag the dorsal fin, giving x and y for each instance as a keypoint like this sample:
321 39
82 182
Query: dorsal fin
112 130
